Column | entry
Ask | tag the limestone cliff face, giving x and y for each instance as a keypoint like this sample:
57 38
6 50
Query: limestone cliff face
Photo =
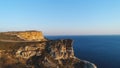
41 54
30 50
61 49
31 35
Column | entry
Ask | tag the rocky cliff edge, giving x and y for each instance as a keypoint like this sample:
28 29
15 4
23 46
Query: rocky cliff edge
38 53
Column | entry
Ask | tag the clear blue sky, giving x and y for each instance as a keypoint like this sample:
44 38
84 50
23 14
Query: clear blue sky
61 17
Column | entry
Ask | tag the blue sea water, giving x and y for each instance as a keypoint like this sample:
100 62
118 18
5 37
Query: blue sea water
104 51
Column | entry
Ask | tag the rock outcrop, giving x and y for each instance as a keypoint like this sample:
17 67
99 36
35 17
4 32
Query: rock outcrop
22 35
40 54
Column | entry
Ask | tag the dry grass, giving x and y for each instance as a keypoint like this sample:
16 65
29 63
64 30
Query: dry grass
7 61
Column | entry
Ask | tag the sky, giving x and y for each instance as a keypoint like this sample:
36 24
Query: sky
61 17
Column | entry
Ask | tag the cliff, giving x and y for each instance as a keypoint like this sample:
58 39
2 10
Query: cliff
22 36
38 53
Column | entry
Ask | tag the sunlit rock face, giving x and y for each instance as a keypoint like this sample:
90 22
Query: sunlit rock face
31 35
38 53
23 35
30 50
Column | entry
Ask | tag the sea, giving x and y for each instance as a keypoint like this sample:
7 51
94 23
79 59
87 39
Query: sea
103 51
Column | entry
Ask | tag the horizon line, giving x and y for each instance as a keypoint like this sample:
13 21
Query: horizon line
86 35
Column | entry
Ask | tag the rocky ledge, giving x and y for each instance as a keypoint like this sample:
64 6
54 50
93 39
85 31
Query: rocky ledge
39 54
